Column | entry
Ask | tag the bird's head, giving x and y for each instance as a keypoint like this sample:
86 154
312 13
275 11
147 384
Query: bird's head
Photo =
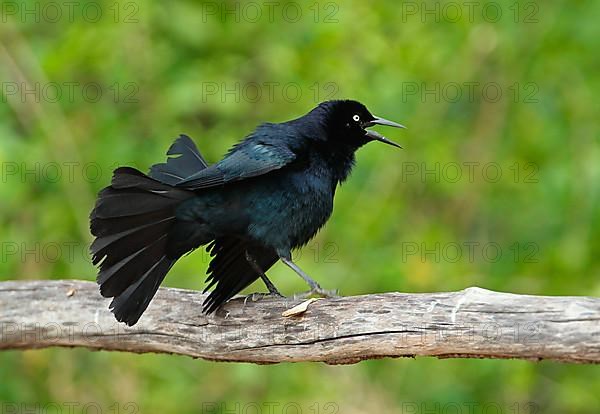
347 121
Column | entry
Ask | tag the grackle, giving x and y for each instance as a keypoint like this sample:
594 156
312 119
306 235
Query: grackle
270 194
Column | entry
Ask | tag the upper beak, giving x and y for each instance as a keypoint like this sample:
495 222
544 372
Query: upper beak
377 136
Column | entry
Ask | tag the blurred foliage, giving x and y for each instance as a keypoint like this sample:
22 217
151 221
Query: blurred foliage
165 68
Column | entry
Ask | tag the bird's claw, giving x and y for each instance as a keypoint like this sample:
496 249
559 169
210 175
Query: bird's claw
318 291
273 292
255 297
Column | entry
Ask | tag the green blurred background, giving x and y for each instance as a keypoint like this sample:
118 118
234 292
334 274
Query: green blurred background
502 93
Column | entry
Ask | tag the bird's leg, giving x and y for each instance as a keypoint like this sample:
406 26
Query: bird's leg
272 289
315 288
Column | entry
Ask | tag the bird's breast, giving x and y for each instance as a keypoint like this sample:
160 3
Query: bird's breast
294 206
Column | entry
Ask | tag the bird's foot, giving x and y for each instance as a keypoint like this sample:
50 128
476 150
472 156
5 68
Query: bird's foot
255 297
273 292
317 291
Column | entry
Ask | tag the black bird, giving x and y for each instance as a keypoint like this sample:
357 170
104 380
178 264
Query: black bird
270 194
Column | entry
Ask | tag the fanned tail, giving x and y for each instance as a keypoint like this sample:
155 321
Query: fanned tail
132 221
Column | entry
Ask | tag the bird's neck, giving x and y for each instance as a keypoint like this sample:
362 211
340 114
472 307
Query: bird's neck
339 161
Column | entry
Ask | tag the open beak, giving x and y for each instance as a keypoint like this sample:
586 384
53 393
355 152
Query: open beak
377 136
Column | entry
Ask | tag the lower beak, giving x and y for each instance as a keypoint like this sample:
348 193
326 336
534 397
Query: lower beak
377 136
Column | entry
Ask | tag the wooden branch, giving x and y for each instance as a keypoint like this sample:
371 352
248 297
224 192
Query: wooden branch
473 323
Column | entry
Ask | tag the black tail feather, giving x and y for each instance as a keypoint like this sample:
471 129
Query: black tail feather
129 305
187 161
131 221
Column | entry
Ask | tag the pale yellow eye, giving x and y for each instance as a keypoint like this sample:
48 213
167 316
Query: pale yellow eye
356 118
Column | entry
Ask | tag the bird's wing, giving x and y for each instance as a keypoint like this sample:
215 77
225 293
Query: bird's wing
185 160
246 160
230 271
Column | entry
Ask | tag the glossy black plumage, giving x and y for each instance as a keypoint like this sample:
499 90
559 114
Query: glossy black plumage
270 194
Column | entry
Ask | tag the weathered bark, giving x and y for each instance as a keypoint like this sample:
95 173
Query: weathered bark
473 323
